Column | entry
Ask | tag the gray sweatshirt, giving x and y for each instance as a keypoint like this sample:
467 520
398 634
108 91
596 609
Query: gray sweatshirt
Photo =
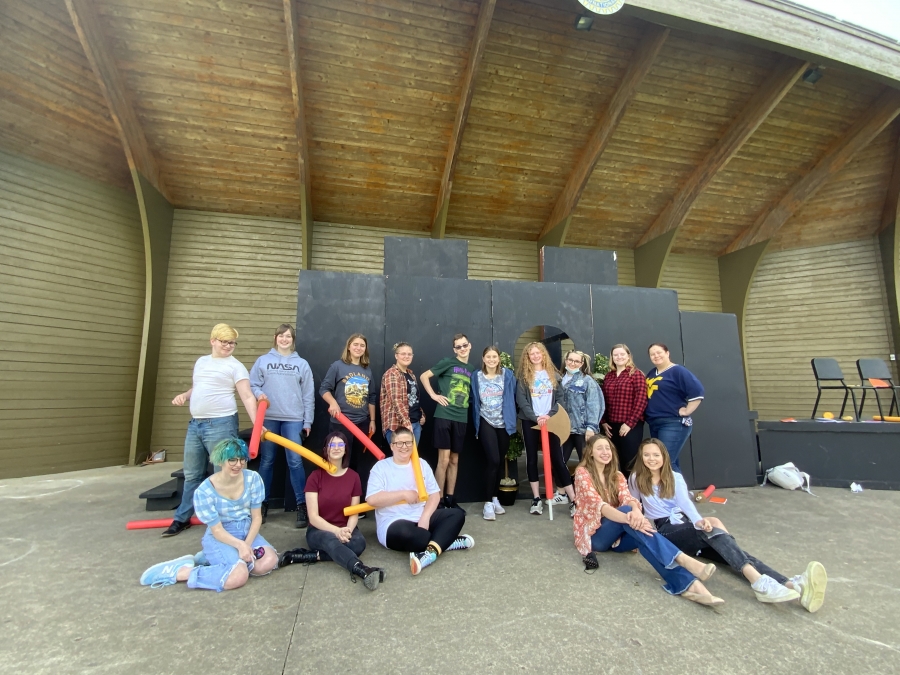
288 382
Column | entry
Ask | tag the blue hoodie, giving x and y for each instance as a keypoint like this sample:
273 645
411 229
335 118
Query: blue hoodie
509 400
288 382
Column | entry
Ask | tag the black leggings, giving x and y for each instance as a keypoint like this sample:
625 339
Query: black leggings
532 438
444 526
495 443
627 446
575 441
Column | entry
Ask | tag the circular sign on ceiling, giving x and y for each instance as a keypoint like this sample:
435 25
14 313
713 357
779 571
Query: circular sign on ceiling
603 6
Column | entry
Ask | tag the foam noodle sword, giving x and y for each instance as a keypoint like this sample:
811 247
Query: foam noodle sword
360 436
300 450
558 424
261 408
420 486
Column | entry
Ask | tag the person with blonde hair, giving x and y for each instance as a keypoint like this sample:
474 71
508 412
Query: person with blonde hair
347 388
400 405
625 392
667 502
538 395
583 400
214 417
609 518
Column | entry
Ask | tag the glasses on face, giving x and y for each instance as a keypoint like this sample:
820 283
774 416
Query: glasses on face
457 348
335 446
227 343
576 362
236 461
402 444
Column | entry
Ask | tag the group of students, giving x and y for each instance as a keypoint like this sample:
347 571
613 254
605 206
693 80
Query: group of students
610 513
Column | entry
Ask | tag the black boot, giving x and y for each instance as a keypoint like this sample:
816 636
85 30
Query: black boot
265 511
371 576
298 555
302 517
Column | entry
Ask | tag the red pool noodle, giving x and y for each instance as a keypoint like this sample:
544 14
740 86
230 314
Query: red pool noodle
261 408
153 524
548 471
365 440
708 491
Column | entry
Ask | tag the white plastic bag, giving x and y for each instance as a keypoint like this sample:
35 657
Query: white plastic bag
788 477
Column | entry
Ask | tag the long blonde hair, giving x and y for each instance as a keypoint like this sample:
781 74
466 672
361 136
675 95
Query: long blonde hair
629 366
644 477
527 368
604 478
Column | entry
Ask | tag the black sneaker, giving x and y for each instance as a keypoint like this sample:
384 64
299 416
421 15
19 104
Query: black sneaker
265 511
302 517
176 528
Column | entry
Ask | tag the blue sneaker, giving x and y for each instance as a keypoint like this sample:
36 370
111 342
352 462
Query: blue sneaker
461 543
163 574
421 560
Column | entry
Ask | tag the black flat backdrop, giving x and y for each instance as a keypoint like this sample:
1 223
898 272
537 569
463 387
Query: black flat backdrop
427 313
415 257
579 266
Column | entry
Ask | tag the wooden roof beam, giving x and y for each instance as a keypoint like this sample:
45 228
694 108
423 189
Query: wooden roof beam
554 231
880 114
306 217
774 88
482 28
137 150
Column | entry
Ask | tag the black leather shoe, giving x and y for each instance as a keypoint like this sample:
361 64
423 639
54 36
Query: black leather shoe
176 528
298 556
371 576
265 511
302 517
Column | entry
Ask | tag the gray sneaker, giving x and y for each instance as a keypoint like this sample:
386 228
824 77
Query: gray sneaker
537 507
811 585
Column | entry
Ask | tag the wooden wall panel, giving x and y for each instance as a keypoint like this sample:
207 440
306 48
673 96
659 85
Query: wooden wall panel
810 302
501 259
352 248
240 270
625 265
696 278
51 107
71 314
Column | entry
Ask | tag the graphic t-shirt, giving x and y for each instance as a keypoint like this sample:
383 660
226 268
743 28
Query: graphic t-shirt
490 394
349 384
455 382
670 390
213 386
412 394
541 393
334 493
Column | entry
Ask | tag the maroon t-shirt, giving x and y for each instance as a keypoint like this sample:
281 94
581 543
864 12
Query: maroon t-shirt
335 493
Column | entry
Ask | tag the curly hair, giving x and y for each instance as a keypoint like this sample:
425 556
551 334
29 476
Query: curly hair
527 369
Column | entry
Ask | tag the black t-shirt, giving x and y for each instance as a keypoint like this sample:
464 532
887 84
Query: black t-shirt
412 393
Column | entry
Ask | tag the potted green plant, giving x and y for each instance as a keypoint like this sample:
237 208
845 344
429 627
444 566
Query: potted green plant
509 484
601 367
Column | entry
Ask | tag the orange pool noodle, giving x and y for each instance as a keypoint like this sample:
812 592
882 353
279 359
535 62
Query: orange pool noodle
257 427
153 524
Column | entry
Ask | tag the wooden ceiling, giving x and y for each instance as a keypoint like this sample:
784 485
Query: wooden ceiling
381 83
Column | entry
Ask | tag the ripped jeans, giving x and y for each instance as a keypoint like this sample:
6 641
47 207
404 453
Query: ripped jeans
222 558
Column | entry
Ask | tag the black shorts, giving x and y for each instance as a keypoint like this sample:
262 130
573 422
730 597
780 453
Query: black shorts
449 434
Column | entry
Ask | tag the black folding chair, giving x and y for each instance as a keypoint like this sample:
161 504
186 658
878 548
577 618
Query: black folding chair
829 372
878 370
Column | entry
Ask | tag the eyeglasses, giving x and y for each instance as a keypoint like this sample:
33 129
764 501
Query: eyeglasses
575 361
456 348
227 343
402 444
236 461
336 445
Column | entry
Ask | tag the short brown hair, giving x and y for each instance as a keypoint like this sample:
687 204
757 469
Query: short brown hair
285 328
459 336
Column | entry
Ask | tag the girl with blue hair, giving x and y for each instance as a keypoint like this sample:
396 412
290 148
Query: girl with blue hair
229 503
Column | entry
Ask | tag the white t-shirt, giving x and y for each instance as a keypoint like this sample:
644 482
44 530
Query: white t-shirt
386 476
213 390
541 393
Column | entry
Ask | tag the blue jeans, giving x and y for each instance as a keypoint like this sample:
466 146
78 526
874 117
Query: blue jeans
416 429
656 549
672 433
202 436
268 449
222 558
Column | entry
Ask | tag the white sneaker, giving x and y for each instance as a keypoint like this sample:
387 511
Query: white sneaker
572 510
560 498
488 512
537 507
811 585
499 510
769 590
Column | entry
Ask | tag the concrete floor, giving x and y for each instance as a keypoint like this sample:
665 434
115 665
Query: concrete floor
70 601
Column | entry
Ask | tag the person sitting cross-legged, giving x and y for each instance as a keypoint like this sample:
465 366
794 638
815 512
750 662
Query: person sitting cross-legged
415 527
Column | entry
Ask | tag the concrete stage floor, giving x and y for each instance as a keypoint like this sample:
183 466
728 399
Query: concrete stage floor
519 602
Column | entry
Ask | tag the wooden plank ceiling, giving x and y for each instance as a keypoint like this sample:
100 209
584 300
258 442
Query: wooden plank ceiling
210 82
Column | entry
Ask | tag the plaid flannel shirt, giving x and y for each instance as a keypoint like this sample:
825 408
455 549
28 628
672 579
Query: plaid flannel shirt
626 397
394 399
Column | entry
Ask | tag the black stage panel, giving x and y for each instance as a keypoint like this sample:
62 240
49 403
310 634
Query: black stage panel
636 317
722 443
579 266
331 306
415 256
520 305
427 313
835 454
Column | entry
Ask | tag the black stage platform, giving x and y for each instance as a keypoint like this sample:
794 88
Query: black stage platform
835 454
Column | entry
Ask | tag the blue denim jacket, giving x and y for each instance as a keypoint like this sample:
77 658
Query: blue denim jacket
584 402
509 401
